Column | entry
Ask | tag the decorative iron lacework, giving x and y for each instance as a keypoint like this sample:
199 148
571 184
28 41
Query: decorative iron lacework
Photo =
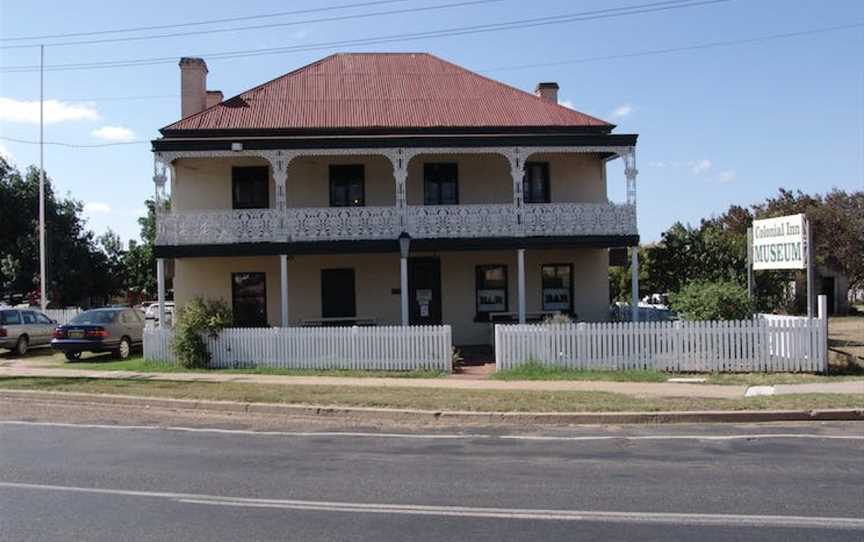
485 220
355 223
219 227
540 219
342 223
422 222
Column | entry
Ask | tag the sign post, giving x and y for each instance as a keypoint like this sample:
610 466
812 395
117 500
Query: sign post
784 242
750 285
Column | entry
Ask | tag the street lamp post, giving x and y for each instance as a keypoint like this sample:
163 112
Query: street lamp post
404 247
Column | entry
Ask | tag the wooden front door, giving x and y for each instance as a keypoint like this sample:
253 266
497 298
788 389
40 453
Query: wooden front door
424 291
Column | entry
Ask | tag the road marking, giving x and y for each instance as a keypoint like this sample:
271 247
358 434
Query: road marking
246 431
756 391
432 436
753 436
729 520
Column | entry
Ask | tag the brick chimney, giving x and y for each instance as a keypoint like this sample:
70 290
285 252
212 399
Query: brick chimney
547 91
214 97
193 86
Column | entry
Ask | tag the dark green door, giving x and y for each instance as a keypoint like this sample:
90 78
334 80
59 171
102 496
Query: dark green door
424 291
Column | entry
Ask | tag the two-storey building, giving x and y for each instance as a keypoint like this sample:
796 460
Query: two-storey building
387 189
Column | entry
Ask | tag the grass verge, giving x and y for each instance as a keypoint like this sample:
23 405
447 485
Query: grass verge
140 365
427 399
537 371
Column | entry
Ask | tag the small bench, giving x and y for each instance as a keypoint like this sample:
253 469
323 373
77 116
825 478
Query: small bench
339 322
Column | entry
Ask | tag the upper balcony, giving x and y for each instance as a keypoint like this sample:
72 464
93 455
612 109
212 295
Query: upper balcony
476 193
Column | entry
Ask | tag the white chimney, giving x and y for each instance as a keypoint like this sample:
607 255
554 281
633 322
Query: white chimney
547 91
193 86
214 97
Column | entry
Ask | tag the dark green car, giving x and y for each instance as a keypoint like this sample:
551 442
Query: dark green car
116 330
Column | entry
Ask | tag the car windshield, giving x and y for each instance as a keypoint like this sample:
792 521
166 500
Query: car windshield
94 317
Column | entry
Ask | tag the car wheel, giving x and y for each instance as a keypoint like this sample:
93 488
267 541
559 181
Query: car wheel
124 349
73 356
21 345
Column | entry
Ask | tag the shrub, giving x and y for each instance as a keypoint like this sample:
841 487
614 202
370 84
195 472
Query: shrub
718 300
195 319
558 319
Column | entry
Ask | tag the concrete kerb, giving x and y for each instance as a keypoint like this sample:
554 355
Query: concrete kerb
371 414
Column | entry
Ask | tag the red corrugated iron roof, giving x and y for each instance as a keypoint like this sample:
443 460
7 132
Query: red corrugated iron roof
383 90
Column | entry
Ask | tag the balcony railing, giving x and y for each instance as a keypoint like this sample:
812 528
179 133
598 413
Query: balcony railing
370 223
435 221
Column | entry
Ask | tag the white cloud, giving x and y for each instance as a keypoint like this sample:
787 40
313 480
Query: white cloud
726 176
113 133
621 111
700 166
96 207
12 110
4 152
567 103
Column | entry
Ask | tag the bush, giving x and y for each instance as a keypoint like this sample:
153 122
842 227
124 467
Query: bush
705 300
195 319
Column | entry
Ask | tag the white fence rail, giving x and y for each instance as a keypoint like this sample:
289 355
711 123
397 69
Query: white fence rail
384 348
62 316
758 345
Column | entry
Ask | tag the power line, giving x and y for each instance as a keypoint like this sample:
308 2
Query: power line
633 54
696 47
73 145
446 32
201 23
262 26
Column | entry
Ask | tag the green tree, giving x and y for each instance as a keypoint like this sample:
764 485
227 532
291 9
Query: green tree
837 221
76 266
712 300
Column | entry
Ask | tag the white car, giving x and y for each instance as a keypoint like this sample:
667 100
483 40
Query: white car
152 312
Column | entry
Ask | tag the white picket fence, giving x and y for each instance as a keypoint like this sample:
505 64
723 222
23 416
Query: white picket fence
380 348
758 345
62 316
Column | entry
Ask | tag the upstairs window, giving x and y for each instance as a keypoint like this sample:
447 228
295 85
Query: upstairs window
249 187
440 184
535 183
347 186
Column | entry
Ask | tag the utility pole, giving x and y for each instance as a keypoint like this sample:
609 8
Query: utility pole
43 301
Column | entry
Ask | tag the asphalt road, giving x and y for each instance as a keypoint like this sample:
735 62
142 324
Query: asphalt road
221 479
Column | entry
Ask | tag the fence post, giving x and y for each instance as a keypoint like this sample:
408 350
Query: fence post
822 345
497 346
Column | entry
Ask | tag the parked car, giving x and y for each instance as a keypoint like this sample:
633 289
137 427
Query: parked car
116 330
152 312
21 329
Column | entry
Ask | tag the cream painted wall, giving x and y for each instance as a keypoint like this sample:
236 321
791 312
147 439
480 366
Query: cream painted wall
309 180
577 177
377 275
483 178
205 183
590 286
211 278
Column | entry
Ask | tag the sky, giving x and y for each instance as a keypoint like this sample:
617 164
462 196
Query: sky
717 124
